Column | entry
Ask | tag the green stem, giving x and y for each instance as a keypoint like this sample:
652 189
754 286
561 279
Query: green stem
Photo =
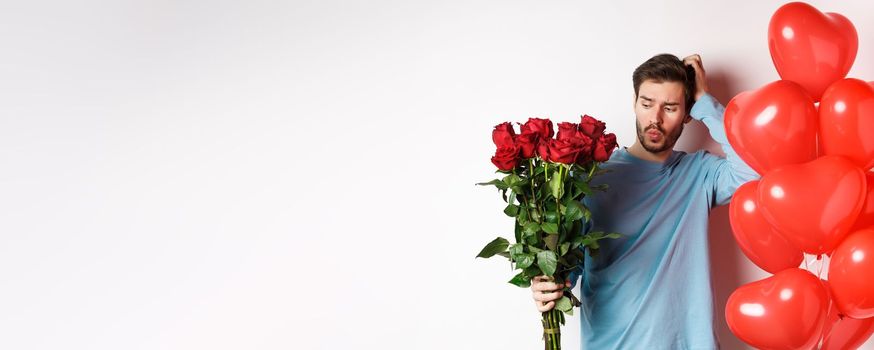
531 178
536 202
558 200
551 329
551 335
555 324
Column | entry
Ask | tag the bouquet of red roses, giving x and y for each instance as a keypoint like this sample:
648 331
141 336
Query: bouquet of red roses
546 179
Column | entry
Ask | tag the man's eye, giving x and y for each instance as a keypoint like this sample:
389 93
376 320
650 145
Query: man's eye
645 105
670 109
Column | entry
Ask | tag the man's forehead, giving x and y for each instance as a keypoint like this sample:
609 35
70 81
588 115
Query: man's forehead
668 92
667 101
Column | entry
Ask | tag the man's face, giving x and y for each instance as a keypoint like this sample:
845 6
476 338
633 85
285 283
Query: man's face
661 114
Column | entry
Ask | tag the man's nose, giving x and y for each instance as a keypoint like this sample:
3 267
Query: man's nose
657 117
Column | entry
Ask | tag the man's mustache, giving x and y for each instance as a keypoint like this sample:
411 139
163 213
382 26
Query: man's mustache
654 126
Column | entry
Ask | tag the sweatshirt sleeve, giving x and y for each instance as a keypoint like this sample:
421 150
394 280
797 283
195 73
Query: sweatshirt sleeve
726 174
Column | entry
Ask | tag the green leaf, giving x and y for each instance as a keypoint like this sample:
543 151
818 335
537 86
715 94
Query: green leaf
497 183
535 214
613 235
525 260
573 210
549 227
516 250
564 305
564 248
512 180
582 186
555 186
494 247
551 241
522 218
532 240
547 261
521 280
531 228
511 210
532 271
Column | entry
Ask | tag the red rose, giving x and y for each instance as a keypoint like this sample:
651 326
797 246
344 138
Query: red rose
503 135
563 151
592 127
527 142
604 147
567 131
543 149
586 147
543 127
506 158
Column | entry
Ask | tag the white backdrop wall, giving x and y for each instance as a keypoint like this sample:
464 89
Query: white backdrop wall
299 174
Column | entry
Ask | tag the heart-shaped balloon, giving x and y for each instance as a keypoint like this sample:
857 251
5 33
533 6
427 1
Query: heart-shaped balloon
847 333
772 126
866 215
846 121
815 204
759 241
843 332
784 311
850 275
811 48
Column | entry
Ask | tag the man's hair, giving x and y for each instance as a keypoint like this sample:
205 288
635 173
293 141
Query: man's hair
666 68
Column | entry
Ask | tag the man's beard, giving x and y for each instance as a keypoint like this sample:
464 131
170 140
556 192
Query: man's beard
668 140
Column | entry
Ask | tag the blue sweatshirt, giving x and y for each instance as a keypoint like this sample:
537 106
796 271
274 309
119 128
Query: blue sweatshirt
650 289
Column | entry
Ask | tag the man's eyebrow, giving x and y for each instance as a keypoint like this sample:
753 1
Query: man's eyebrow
647 99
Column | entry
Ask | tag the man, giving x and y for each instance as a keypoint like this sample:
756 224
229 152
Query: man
650 289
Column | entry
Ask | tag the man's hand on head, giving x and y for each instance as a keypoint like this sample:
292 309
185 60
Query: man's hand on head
700 79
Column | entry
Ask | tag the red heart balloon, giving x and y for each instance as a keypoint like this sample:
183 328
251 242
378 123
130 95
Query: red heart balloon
843 332
815 204
846 121
847 333
784 311
759 241
866 216
772 126
811 48
850 275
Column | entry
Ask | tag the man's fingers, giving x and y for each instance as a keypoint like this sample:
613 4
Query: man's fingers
542 278
693 59
695 65
545 307
544 287
544 297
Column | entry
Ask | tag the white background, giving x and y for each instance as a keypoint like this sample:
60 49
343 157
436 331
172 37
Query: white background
299 175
